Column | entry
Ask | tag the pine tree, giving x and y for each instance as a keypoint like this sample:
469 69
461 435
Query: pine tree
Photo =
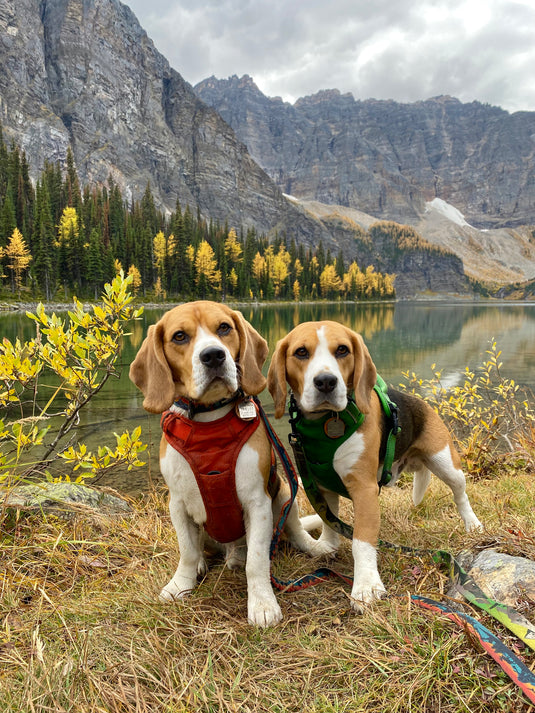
8 222
95 262
44 248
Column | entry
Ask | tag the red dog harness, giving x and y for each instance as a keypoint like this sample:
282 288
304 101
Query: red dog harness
211 448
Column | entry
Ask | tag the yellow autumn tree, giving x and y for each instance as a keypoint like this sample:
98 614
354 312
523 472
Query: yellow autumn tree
259 267
280 269
68 225
190 253
136 278
171 245
314 269
233 280
207 276
296 289
158 251
233 249
353 281
19 257
330 282
371 284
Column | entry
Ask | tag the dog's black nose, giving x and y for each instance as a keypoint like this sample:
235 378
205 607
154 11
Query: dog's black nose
325 383
212 357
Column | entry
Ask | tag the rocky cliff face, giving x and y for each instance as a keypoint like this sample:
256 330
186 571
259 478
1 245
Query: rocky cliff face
385 158
84 73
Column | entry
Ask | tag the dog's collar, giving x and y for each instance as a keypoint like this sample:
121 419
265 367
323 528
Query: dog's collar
192 407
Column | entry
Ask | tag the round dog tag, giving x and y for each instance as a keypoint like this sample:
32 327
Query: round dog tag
334 427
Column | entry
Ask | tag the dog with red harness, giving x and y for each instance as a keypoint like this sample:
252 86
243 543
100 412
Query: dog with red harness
198 366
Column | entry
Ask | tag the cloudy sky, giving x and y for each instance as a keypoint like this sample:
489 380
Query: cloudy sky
404 50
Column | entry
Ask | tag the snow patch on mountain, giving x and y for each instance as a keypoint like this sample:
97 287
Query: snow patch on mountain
447 210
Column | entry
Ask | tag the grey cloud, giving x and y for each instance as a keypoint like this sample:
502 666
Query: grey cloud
400 49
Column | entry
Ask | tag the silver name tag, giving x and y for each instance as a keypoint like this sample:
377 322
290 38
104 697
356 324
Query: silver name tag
246 410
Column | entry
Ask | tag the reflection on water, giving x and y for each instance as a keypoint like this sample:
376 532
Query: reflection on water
402 336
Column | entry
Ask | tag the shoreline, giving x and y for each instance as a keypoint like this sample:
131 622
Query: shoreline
443 298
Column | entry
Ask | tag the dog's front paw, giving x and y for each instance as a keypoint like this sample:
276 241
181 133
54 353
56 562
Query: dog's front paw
264 612
177 589
366 593
472 523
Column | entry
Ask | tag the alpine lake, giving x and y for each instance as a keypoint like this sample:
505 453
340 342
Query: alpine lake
401 337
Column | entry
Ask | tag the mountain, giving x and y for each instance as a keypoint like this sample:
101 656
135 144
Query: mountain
385 158
463 175
84 74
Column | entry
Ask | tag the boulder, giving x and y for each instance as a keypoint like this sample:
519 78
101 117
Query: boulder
502 577
63 497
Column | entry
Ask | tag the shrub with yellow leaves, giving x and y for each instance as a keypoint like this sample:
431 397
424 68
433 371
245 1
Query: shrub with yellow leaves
491 418
71 360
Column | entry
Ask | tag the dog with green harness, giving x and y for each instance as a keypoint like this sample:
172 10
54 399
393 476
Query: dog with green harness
351 434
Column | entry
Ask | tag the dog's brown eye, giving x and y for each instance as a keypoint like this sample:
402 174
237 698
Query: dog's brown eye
179 337
341 351
301 353
223 329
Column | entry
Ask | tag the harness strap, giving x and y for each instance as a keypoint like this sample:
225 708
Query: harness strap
391 412
192 407
313 492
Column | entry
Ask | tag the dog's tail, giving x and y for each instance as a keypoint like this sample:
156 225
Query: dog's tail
311 522
419 484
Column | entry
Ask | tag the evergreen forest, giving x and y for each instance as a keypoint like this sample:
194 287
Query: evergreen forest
58 238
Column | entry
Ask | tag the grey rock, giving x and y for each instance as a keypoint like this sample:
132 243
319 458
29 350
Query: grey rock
84 74
501 577
385 158
62 497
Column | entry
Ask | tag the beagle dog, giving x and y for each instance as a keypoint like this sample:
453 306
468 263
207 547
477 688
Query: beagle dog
198 363
325 363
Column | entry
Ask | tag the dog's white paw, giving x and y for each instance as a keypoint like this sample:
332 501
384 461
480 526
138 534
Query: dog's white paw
472 524
366 593
202 567
177 589
264 612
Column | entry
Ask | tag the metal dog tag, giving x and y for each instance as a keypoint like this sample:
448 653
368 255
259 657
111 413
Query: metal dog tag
246 410
334 427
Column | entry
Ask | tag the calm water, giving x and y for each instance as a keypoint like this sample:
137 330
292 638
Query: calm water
400 337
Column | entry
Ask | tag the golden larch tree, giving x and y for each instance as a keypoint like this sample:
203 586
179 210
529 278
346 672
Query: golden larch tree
19 257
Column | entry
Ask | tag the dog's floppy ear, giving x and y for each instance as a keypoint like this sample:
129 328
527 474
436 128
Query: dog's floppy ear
251 357
151 372
364 374
276 378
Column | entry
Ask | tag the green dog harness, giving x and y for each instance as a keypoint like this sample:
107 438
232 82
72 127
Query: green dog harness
315 441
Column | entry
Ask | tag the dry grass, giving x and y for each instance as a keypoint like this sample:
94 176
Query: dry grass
82 629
